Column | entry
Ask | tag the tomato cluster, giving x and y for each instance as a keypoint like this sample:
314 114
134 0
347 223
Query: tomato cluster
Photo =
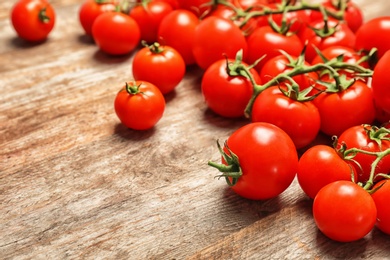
292 68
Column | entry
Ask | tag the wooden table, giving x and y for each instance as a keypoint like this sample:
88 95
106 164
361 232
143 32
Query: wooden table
76 184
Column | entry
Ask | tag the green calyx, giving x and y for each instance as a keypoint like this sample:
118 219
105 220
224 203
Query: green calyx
154 48
132 89
231 170
43 16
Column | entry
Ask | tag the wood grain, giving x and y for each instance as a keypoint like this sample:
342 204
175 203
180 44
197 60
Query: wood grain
76 184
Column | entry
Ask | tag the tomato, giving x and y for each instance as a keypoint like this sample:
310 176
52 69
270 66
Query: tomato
162 66
149 16
210 38
335 34
177 30
381 83
321 165
139 105
116 33
198 7
370 139
344 211
267 161
381 199
300 120
374 33
173 3
346 108
33 20
227 95
280 64
271 42
91 9
381 116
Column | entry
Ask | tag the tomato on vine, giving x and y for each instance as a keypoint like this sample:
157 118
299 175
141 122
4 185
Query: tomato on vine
33 20
259 161
381 198
162 66
139 105
380 83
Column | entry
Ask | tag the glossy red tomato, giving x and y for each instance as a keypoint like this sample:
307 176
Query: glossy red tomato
344 211
280 64
198 7
211 38
177 30
342 35
271 42
267 159
139 105
300 120
160 65
173 3
91 9
33 20
381 83
227 95
374 33
319 166
381 199
116 33
149 17
370 139
346 108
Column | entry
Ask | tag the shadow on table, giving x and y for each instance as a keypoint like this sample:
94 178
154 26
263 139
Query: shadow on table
130 134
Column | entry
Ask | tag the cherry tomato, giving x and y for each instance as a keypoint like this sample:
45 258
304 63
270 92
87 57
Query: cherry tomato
33 20
344 211
198 7
173 3
335 34
346 108
148 17
177 30
210 38
139 105
300 120
381 199
116 33
160 65
271 42
91 9
374 33
370 139
321 165
227 95
267 159
381 83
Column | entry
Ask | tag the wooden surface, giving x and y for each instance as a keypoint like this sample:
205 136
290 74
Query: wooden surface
76 184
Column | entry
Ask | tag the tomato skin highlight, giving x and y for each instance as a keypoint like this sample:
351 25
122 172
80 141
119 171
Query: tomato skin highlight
381 199
268 160
319 166
26 20
165 69
344 211
140 111
116 33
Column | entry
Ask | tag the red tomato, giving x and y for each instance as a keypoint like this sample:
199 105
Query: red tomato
267 159
375 33
91 9
177 30
210 38
149 17
319 166
271 42
33 20
368 139
381 199
344 211
381 83
346 108
173 3
116 33
342 36
198 7
300 120
139 105
280 64
162 66
226 95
